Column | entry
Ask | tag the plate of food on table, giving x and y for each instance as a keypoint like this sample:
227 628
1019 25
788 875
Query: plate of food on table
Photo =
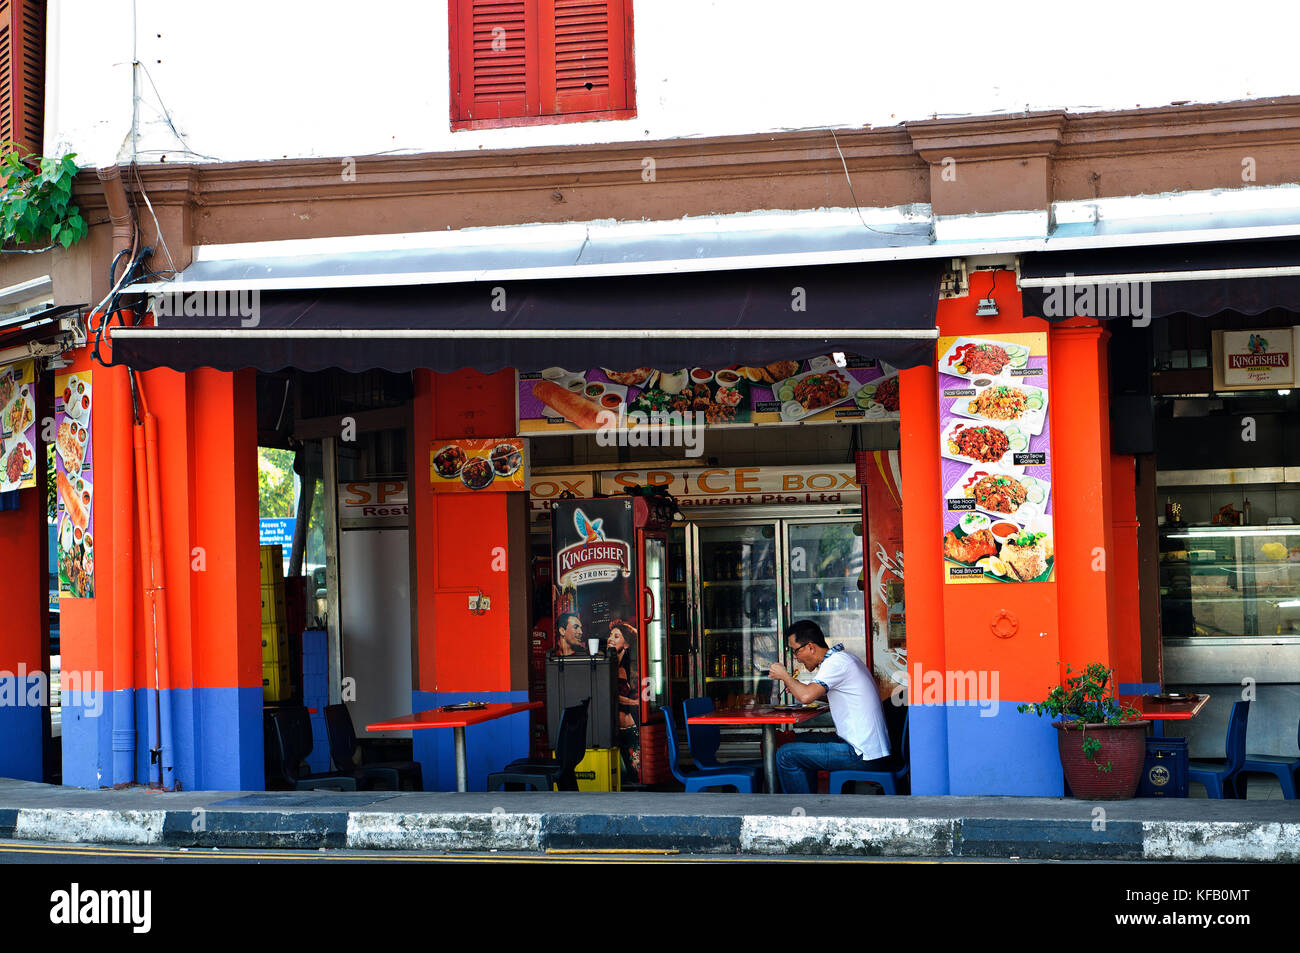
982 442
1007 551
974 358
1001 493
1017 402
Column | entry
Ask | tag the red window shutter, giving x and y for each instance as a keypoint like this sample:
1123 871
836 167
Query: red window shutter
494 59
583 53
22 73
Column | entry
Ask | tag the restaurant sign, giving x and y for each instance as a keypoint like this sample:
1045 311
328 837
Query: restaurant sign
744 486
18 443
1263 358
376 504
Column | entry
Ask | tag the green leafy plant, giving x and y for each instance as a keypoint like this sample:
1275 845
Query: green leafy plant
36 200
1086 698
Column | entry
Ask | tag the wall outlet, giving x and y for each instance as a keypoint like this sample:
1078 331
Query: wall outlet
484 603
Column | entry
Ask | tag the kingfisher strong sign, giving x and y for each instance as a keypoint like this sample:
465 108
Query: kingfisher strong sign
595 558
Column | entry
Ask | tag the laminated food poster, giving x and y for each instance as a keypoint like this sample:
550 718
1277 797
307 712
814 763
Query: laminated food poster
74 470
478 464
995 446
18 426
815 391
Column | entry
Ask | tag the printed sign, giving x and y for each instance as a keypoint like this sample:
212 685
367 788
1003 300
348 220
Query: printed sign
276 531
478 464
996 450
817 391
741 486
885 566
375 504
1249 359
74 469
18 426
544 488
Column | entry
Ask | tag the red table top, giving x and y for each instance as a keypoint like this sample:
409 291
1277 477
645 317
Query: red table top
763 715
437 718
1165 711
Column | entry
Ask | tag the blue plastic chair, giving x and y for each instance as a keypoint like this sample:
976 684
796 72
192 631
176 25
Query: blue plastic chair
703 740
1220 780
891 781
697 780
1287 770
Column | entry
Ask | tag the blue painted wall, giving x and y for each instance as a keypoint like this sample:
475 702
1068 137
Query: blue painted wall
20 726
963 749
488 747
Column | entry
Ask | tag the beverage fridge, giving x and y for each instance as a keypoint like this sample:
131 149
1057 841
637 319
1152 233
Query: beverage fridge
745 580
612 568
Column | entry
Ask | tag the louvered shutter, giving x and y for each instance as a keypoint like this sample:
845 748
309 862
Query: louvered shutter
494 46
22 73
583 53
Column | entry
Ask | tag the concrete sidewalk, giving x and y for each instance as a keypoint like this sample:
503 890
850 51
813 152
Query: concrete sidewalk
1139 829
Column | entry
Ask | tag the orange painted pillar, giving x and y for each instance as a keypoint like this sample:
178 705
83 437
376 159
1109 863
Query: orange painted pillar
23 686
1085 551
923 574
465 545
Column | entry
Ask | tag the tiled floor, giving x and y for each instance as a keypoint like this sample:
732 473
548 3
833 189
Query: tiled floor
1261 787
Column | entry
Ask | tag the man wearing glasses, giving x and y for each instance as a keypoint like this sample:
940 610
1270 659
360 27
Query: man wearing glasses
861 740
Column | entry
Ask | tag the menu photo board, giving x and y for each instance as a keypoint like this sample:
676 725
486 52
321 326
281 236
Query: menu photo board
74 469
1255 360
995 444
816 391
18 426
479 465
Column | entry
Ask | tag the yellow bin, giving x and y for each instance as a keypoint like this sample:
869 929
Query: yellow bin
600 770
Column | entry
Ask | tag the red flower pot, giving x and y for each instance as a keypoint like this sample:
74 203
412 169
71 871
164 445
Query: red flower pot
1123 745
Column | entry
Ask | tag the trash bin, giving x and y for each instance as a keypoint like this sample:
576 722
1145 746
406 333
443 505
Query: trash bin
572 678
1165 771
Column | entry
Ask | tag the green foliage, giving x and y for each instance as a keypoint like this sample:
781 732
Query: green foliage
275 482
51 484
1085 699
36 200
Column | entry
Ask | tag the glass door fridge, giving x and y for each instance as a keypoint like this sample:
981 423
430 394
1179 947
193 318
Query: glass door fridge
822 561
738 592
653 558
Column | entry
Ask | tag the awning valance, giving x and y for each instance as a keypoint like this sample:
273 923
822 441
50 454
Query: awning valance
1248 277
713 318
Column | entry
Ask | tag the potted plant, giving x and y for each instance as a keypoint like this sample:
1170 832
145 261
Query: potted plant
1101 742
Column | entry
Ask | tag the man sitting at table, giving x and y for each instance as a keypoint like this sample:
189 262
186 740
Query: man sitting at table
568 635
861 740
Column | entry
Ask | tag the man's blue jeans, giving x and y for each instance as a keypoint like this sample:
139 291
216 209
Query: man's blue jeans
799 761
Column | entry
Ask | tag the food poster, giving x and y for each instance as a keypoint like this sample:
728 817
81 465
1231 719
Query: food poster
815 391
995 445
475 465
884 579
18 426
74 468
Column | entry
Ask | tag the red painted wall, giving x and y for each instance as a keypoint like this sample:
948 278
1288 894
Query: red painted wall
457 539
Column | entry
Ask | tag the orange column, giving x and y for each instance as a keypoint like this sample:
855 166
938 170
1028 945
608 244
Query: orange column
466 545
22 686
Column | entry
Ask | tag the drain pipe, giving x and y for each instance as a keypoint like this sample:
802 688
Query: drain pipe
167 768
125 238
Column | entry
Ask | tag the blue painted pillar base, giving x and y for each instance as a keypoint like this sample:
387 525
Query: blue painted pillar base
22 695
489 747
987 749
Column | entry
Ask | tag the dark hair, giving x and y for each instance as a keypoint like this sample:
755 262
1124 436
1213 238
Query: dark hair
562 621
805 631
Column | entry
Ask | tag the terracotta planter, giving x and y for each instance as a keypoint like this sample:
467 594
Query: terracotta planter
1123 745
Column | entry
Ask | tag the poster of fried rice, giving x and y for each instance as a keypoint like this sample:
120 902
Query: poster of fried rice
74 470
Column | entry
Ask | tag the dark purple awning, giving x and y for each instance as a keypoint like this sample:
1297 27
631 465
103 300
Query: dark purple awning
716 318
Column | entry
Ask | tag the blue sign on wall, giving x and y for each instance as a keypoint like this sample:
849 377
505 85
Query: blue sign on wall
277 531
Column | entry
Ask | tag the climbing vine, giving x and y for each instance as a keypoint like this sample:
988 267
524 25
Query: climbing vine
36 205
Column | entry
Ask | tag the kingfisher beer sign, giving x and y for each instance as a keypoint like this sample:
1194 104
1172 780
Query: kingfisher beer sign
1262 358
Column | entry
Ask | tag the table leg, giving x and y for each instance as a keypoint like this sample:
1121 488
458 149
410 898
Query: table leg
462 765
769 758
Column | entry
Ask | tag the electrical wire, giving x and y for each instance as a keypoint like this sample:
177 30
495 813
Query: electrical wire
135 170
856 207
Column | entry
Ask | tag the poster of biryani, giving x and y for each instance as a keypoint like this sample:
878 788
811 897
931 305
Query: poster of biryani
18 426
74 468
816 391
995 447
